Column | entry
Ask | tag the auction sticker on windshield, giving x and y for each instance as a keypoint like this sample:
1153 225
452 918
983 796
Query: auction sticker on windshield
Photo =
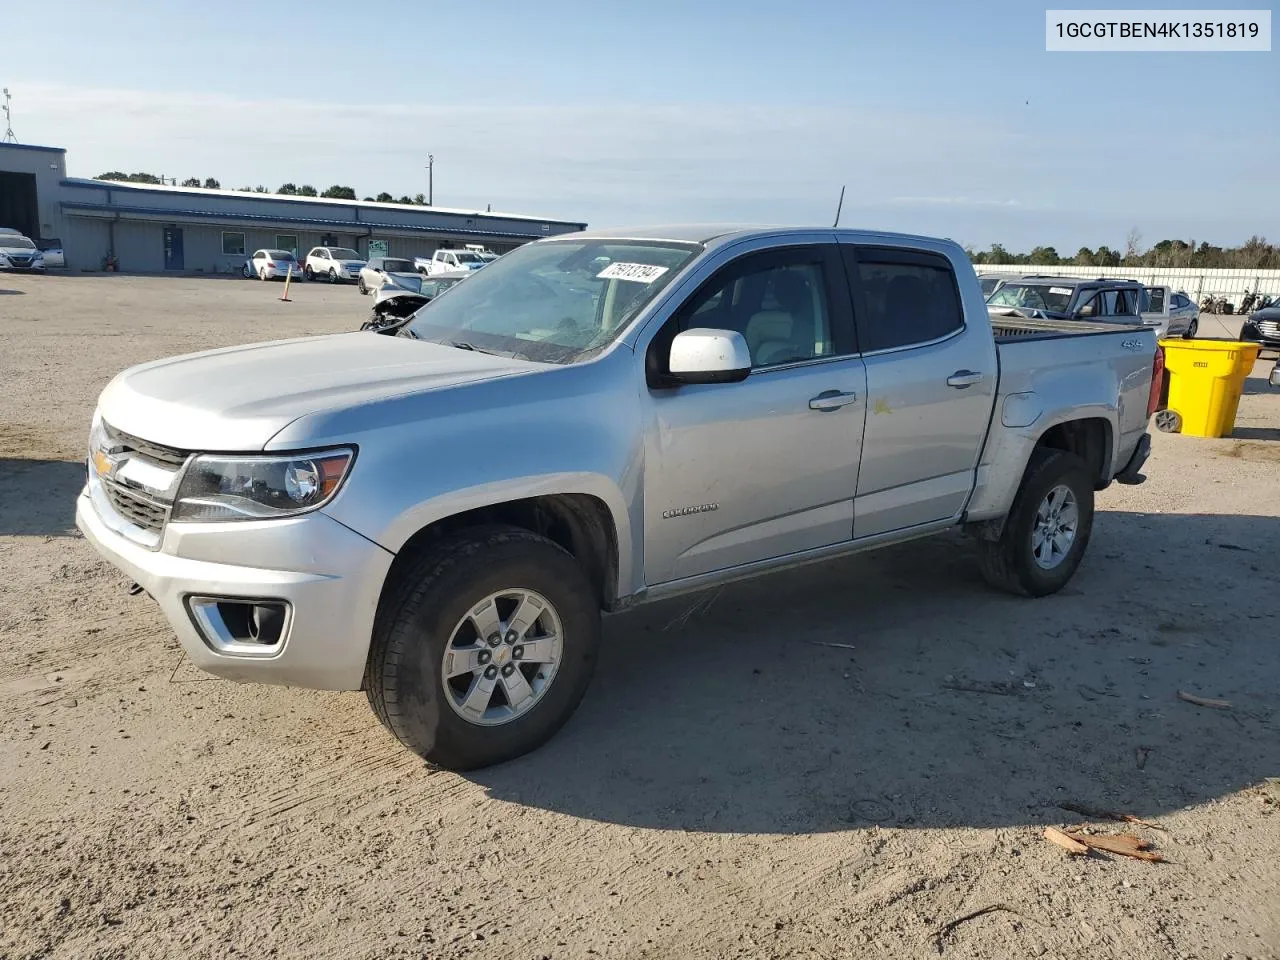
637 272
1064 291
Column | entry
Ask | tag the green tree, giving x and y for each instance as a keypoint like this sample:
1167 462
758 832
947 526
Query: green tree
337 192
1084 257
405 199
384 197
1106 257
260 189
1044 257
191 182
306 190
211 184
420 200
288 189
998 254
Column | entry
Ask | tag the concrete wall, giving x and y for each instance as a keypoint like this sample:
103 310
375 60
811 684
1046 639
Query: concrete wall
1194 281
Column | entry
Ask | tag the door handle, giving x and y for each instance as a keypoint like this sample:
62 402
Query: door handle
832 400
964 378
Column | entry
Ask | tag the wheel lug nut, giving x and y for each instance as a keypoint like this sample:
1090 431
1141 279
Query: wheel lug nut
484 656
495 640
511 636
490 672
517 653
508 670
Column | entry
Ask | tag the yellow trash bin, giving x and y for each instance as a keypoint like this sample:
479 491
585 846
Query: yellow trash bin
1206 378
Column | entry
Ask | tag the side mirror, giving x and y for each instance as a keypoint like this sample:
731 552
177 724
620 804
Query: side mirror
1087 311
709 356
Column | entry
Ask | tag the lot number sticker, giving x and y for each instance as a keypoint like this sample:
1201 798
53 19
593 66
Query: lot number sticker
1064 291
636 272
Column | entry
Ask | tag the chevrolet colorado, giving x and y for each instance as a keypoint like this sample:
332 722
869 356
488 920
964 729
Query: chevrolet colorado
439 512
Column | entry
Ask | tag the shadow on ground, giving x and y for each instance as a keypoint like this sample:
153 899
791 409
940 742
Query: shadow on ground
12 293
38 497
1256 433
958 705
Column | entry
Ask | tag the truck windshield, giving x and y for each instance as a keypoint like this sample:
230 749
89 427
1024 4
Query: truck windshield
1032 296
556 302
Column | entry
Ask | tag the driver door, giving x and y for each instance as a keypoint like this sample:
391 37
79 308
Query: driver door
737 473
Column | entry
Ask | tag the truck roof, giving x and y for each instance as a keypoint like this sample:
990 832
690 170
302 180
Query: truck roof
708 232
1072 281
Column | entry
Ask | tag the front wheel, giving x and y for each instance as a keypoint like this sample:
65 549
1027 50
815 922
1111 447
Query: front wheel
1047 529
333 275
483 646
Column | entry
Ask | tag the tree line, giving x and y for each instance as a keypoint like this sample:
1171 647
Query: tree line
1255 254
335 192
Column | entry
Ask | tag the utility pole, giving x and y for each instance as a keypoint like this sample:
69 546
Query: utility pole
431 162
9 135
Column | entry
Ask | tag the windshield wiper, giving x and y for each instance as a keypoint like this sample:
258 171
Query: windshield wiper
464 345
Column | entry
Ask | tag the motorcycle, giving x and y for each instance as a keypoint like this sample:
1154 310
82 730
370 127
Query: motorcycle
1206 303
1246 305
1264 301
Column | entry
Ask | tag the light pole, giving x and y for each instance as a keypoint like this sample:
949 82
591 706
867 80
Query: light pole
431 162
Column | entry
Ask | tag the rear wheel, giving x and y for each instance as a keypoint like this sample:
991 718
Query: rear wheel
1191 330
1168 421
307 272
483 647
262 273
1047 529
246 271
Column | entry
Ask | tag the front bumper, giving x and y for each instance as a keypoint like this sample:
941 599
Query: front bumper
1268 335
329 575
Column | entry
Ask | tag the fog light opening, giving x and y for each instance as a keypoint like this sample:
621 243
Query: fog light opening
244 627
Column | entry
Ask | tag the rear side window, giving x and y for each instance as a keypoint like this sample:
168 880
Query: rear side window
902 297
1157 298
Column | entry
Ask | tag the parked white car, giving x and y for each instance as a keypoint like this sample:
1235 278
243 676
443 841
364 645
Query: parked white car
19 253
381 270
333 264
51 249
447 261
1171 312
269 264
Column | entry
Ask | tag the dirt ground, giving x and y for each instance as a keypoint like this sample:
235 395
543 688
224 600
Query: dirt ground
729 787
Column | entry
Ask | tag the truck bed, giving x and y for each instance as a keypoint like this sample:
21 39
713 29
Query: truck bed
1013 328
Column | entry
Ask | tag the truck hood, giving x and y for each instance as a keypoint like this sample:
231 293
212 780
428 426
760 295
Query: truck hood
238 398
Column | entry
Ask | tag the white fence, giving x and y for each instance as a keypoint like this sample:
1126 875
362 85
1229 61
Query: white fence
1195 282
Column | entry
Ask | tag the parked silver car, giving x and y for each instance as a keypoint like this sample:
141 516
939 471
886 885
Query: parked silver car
267 264
1171 312
380 270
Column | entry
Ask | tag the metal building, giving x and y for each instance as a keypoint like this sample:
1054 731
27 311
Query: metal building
192 230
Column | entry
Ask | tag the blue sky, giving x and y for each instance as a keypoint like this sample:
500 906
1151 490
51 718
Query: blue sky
945 118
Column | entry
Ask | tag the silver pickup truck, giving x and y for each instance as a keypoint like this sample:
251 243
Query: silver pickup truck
439 512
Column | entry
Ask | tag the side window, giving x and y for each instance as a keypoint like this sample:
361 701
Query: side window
780 302
1157 299
902 297
1111 303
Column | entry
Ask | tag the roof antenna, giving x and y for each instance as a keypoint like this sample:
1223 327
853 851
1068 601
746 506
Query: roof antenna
839 206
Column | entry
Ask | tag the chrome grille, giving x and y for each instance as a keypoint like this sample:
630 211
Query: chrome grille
139 510
1269 329
169 456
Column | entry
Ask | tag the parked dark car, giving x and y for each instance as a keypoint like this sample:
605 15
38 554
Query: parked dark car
1263 326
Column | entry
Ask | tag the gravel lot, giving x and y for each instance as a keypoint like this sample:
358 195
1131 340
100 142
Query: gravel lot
728 788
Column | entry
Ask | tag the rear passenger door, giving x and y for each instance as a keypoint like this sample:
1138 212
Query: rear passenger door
931 382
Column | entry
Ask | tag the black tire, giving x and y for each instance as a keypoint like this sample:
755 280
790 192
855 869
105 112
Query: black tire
1009 563
246 271
361 287
1192 329
419 609
333 275
306 272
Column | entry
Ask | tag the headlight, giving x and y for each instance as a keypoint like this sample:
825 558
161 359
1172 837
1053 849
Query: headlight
220 487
